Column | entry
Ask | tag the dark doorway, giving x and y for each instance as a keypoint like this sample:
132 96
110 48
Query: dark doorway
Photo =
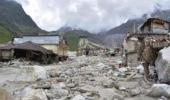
87 52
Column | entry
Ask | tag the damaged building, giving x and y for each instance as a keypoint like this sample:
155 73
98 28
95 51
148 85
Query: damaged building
152 36
44 49
27 51
86 47
153 28
51 42
155 25
6 52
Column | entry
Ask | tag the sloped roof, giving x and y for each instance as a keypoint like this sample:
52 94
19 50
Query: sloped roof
152 19
31 46
7 47
54 39
27 46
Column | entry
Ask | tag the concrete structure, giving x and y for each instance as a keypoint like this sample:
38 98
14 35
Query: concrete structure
6 54
130 44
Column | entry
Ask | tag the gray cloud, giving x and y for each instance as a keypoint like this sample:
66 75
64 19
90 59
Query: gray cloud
92 15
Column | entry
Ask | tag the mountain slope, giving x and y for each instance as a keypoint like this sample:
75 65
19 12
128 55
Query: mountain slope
126 27
13 17
73 35
5 35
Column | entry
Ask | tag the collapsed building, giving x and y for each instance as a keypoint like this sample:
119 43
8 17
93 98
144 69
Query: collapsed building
51 42
29 51
155 25
86 47
152 36
44 49
152 29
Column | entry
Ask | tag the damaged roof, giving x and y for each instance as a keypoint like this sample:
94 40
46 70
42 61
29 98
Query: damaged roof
44 39
27 46
152 19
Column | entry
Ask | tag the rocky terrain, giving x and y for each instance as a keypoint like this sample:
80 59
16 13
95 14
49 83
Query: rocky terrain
79 78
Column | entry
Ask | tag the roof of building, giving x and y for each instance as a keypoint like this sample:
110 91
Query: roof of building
42 39
6 47
152 19
27 46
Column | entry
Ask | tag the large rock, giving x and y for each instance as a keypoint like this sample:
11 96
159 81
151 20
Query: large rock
141 97
8 74
140 69
110 94
163 65
33 94
158 90
32 73
57 91
108 83
78 97
135 92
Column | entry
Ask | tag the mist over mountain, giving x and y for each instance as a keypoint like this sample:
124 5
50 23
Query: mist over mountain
91 15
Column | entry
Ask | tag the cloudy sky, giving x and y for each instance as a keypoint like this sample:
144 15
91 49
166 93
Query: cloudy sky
91 15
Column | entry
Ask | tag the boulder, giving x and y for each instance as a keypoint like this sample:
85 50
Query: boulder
33 94
123 69
100 66
8 74
163 65
60 85
107 83
78 97
57 91
110 94
158 90
31 73
141 97
163 98
135 92
140 69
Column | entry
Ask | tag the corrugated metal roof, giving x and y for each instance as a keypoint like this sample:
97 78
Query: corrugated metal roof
37 39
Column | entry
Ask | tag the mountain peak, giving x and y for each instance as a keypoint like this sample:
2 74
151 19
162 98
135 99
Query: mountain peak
13 17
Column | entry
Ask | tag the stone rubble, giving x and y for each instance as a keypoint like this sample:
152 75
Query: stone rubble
79 78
